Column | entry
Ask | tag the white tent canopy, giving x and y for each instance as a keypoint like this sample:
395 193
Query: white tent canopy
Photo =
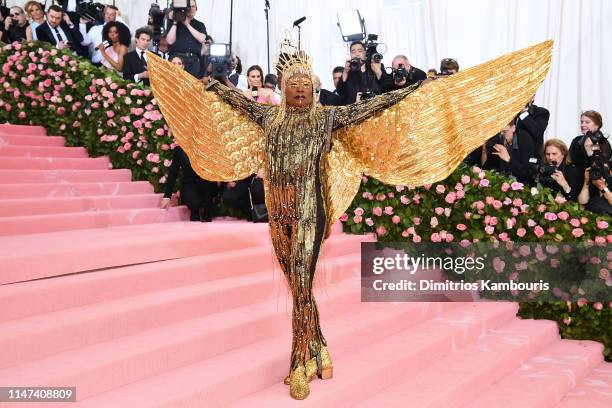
471 31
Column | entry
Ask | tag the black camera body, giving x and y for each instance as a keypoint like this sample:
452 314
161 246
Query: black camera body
598 165
220 60
546 170
400 74
355 65
180 8
596 137
497 139
367 94
91 11
372 53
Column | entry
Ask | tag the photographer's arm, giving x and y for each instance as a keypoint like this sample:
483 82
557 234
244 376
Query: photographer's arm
359 111
171 35
200 37
584 196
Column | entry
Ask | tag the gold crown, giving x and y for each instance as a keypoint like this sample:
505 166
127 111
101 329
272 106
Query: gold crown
291 59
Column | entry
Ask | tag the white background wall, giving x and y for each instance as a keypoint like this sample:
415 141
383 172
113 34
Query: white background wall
471 31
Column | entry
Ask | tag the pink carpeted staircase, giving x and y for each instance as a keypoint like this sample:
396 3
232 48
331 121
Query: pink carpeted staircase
182 314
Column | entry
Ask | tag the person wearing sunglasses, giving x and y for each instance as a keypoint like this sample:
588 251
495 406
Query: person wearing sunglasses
16 26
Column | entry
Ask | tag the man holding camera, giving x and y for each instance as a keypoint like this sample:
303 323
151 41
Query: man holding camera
595 195
361 74
186 35
509 153
16 26
533 121
403 75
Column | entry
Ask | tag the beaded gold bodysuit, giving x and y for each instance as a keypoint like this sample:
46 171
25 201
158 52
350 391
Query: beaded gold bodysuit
314 158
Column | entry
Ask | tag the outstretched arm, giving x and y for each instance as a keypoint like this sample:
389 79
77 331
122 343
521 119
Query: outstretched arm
359 111
235 98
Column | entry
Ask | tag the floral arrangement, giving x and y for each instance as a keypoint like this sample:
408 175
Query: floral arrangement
94 108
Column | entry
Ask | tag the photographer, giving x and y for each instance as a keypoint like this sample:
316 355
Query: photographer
509 153
533 120
582 147
16 26
359 79
557 173
186 36
448 66
595 195
95 33
403 75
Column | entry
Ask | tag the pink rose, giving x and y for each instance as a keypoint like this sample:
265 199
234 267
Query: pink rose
405 234
497 204
602 225
460 194
538 231
517 202
440 189
584 220
560 199
555 263
357 219
604 274
389 210
505 187
447 212
435 237
381 231
597 306
550 216
567 320
381 197
433 222
416 221
531 223
369 222
581 302
484 183
541 208
439 210
396 219
563 215
517 186
479 205
358 211
489 200
450 198
377 211
465 179
399 189
504 237
461 227
411 231
489 229
574 222
416 239
577 232
404 200
344 217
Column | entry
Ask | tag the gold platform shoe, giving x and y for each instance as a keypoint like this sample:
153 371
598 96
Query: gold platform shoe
298 383
327 369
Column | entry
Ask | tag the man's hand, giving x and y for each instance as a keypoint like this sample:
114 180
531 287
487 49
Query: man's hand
600 184
502 152
560 179
143 75
165 203
377 69
62 45
8 22
358 97
66 19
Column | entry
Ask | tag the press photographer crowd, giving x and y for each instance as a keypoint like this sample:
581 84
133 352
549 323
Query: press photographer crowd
579 173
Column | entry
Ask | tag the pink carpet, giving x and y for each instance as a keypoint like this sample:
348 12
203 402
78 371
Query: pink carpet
134 307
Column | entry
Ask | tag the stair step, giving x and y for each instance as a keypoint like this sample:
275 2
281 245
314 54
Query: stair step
37 206
23 130
31 140
368 370
86 325
104 366
237 373
63 176
43 151
251 255
461 377
543 380
53 163
34 224
595 391
16 191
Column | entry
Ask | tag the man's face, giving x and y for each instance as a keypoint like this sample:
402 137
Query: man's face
163 45
398 63
192 10
54 18
109 15
337 77
299 91
143 42
508 132
357 51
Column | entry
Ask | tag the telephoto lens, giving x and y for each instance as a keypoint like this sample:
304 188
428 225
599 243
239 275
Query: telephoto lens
355 64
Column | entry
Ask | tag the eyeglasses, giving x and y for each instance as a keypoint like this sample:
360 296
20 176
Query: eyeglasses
15 15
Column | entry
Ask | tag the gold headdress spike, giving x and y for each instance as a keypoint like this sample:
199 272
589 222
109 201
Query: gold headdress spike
292 60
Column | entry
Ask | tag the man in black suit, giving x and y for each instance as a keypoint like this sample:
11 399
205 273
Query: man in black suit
403 74
533 121
58 30
135 62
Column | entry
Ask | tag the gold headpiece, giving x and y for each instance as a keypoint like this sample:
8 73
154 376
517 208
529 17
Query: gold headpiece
292 60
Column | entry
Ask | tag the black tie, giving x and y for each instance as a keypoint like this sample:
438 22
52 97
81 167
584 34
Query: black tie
142 58
59 36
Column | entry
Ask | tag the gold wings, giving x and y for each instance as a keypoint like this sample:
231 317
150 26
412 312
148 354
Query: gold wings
222 143
423 138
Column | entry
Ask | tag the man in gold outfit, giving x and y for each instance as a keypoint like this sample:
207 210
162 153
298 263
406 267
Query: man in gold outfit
314 157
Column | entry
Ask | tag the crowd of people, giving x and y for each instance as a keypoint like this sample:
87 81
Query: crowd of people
579 173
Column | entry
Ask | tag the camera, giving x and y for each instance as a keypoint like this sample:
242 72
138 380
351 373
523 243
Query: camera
599 169
367 94
374 50
400 74
596 137
220 59
497 139
157 19
91 11
546 171
180 8
355 64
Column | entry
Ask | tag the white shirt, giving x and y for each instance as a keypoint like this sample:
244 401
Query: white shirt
138 52
64 38
71 5
95 38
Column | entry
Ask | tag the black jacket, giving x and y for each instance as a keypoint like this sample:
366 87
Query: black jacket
328 98
534 124
357 82
132 65
520 153
190 177
74 37
572 176
579 156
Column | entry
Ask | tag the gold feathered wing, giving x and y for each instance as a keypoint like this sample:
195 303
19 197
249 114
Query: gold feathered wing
424 137
222 143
